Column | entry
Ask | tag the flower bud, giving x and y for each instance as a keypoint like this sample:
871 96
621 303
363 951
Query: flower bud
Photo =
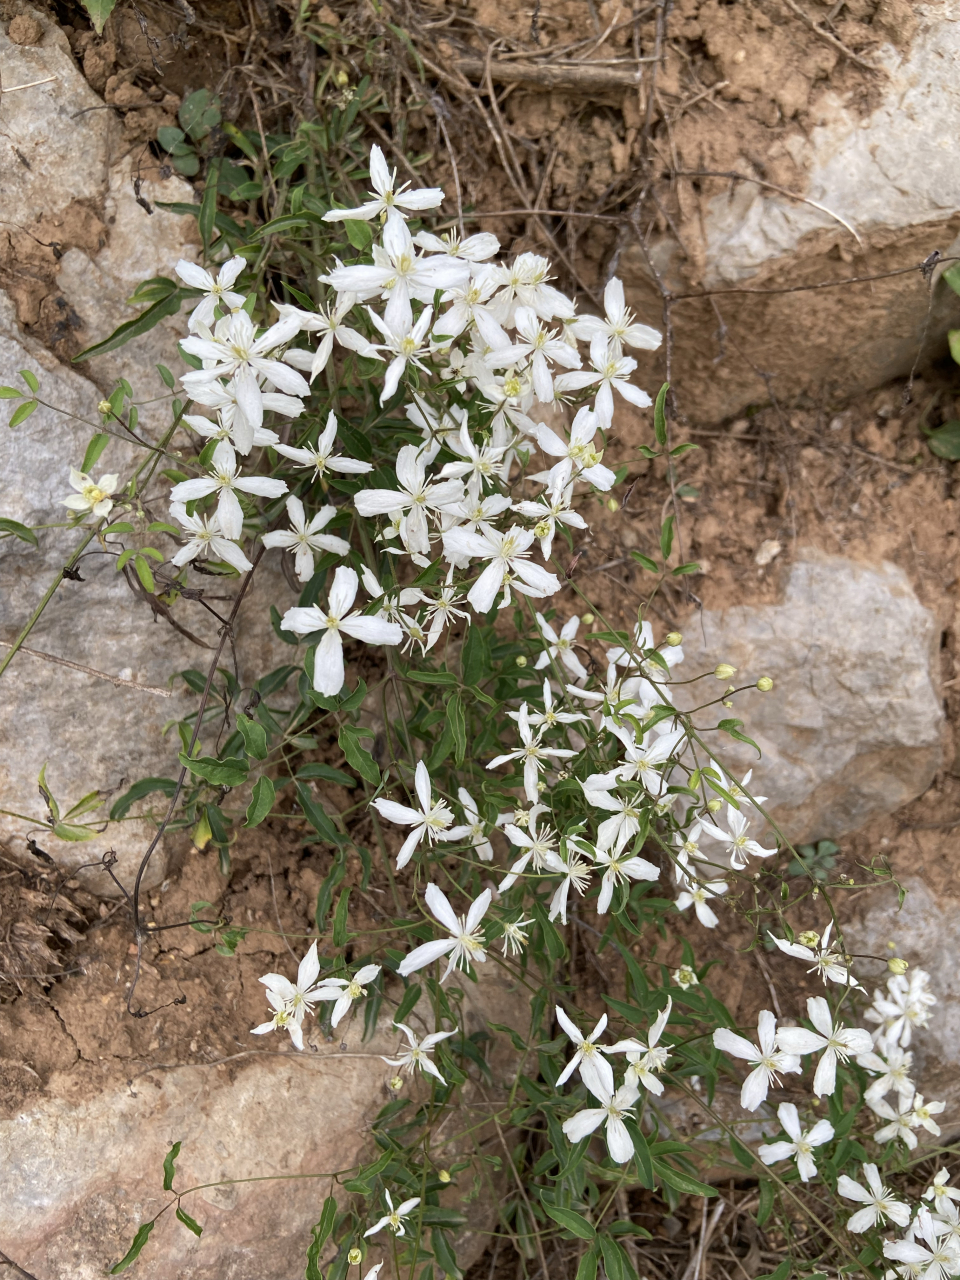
714 805
104 407
764 684
613 505
727 702
897 966
521 660
355 1257
809 938
673 639
396 1084
723 671
342 78
587 619
444 1175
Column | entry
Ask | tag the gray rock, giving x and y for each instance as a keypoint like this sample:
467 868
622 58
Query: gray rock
852 727
82 1175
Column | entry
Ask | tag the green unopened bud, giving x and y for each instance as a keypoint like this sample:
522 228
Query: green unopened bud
396 1084
673 639
521 661
104 407
723 671
444 1175
613 505
897 966
342 79
587 619
355 1257
764 684
809 938
727 702
714 805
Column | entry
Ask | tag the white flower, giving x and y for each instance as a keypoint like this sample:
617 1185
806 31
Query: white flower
576 871
321 457
736 839
595 1071
474 829
394 1219
902 1123
906 1006
619 326
940 1190
329 322
616 831
524 284
417 1054
345 990
923 1114
335 622
827 960
387 197
648 1059
542 346
698 895
307 538
475 248
399 275
685 977
618 868
431 819
894 1073
415 496
688 850
224 480
514 939
578 458
801 1145
282 1020
93 496
611 370
471 306
465 944
551 508
641 759
220 430
508 565
837 1042
561 646
292 1000
879 1202
612 1110
533 754
206 538
767 1059
218 290
548 718
941 1257
539 844
406 340
235 352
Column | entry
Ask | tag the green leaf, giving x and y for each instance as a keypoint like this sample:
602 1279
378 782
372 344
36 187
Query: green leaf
254 737
767 1197
358 233
410 998
221 773
264 794
475 656
188 165
94 449
952 277
75 834
666 537
240 140
327 773
10 393
733 728
199 113
641 1149
208 211
190 1223
133 1253
18 530
169 136
444 1254
22 412
30 379
320 1233
169 1167
315 815
781 1273
691 566
572 1221
340 935
145 787
682 1181
659 416
615 1261
357 756
945 441
587 1269
458 728
48 794
650 565
144 573
142 323
433 677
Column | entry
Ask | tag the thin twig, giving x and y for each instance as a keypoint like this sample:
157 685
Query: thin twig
91 671
830 39
771 186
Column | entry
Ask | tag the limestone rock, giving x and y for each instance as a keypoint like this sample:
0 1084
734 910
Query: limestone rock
886 172
852 727
82 1175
